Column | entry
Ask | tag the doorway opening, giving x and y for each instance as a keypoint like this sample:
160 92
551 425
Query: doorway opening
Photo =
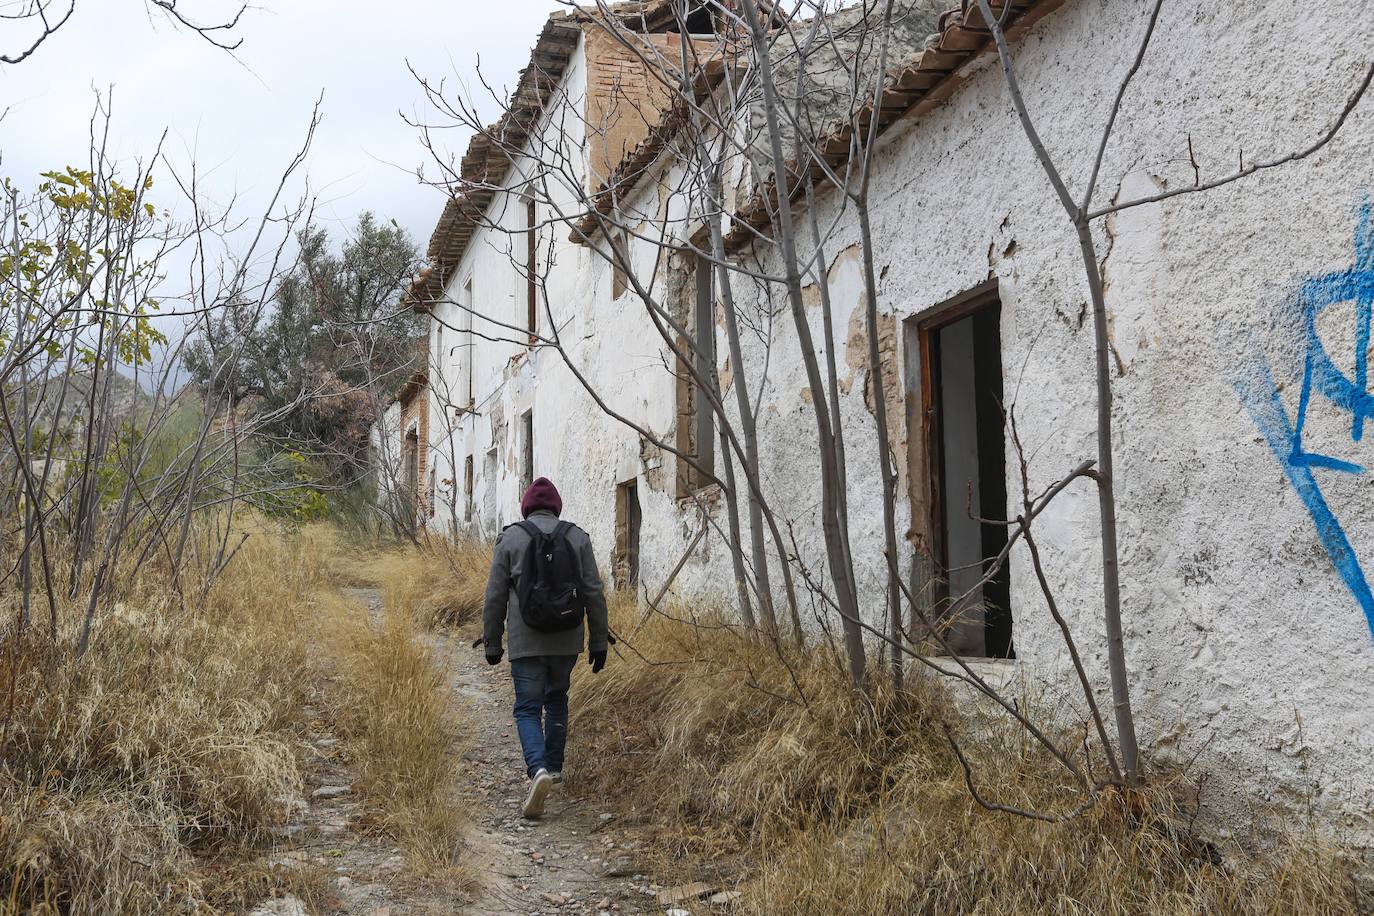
625 563
960 360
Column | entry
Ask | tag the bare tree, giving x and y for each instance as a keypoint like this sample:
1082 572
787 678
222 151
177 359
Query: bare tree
42 19
108 470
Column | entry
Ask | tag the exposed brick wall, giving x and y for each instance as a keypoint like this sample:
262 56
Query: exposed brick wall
624 98
415 409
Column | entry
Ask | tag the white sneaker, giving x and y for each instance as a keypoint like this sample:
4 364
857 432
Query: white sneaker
533 808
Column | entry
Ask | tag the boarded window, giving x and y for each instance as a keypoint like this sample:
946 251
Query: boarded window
620 255
469 347
696 422
962 356
625 561
490 466
526 450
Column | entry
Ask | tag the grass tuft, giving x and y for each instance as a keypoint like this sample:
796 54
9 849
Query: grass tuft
440 583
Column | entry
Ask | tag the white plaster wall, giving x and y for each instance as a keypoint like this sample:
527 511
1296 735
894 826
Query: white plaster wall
1246 646
1244 642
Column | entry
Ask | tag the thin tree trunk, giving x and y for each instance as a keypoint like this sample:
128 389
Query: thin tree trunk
841 572
1106 502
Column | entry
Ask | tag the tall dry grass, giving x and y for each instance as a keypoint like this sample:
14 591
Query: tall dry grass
736 753
439 583
404 737
147 776
170 740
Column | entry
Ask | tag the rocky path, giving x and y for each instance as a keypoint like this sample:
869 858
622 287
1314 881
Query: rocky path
578 859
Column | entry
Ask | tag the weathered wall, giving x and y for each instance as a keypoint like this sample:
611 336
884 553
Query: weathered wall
1247 611
627 90
1243 544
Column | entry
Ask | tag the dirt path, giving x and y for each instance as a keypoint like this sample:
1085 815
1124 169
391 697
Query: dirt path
576 859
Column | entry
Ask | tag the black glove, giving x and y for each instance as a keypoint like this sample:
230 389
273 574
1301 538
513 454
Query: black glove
598 660
494 654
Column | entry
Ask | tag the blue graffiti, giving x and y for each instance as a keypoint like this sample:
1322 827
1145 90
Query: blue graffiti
1320 375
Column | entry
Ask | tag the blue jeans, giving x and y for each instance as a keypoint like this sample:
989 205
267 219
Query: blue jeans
541 708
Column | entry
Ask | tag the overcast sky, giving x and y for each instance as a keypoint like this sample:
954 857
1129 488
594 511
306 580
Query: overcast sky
243 116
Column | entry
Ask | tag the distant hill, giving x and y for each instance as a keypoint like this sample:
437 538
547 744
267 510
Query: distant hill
127 399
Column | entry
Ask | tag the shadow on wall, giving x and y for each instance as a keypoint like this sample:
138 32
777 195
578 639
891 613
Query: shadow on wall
1289 439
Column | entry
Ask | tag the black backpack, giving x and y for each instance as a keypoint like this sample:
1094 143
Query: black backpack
549 581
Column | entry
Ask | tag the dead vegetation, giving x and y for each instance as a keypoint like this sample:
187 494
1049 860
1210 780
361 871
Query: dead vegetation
827 805
404 737
439 583
169 742
148 775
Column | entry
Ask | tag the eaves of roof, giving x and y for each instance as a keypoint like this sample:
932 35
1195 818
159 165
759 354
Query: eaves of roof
486 164
914 87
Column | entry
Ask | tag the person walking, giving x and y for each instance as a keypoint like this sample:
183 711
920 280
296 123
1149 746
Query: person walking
545 594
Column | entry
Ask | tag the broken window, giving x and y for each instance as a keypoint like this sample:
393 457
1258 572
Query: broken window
625 561
526 450
467 488
696 422
961 355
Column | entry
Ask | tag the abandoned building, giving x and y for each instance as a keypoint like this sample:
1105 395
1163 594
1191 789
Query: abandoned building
401 443
1240 322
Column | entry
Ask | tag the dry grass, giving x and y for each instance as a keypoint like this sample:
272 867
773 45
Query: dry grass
835 807
404 735
147 776
440 583
171 740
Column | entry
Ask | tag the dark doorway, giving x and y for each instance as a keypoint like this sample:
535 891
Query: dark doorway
467 489
625 564
962 351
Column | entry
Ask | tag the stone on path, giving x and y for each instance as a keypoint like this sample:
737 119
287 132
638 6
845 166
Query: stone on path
725 898
281 906
332 792
683 892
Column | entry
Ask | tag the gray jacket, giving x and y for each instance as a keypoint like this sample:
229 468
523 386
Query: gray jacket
501 611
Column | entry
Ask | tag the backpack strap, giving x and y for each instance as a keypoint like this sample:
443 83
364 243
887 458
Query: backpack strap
561 530
528 527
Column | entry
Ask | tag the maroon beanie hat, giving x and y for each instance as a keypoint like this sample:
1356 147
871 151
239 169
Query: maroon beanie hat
542 494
